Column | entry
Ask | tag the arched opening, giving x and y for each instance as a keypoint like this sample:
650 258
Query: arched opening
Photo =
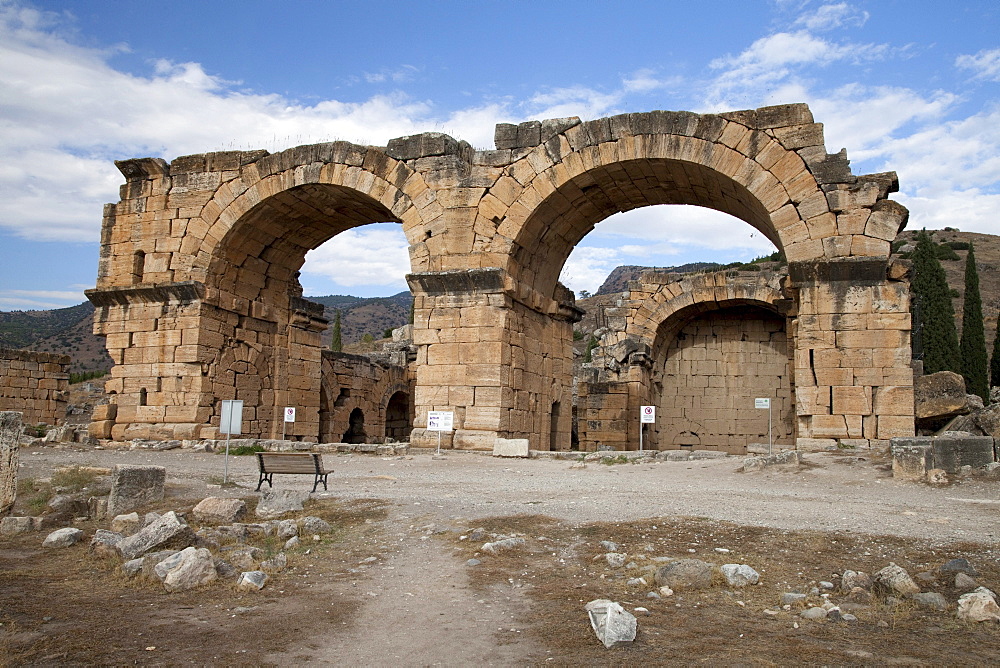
356 431
397 417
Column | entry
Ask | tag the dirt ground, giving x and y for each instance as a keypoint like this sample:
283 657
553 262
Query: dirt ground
392 584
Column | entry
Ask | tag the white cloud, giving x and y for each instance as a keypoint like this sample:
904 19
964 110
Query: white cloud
399 75
829 17
588 266
646 81
984 65
370 255
26 300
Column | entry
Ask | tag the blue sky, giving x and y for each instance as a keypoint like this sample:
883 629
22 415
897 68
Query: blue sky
910 86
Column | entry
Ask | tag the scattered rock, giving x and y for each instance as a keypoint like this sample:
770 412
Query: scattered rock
216 510
611 622
169 530
245 558
859 595
851 579
610 546
132 567
292 542
740 575
894 580
189 568
636 582
473 562
501 545
665 591
937 477
792 598
126 524
225 569
275 564
964 582
685 574
278 502
12 526
615 559
251 581
286 529
135 486
104 543
814 613
62 537
931 601
959 566
979 606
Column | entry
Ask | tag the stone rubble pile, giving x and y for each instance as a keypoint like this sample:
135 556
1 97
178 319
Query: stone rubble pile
165 548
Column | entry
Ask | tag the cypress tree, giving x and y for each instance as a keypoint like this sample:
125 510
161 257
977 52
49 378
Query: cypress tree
336 345
973 345
939 341
995 360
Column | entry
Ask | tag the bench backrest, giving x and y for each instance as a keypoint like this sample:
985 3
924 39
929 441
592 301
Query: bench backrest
289 462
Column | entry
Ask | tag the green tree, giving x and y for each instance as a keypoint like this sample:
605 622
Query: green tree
995 360
973 345
936 335
588 355
336 344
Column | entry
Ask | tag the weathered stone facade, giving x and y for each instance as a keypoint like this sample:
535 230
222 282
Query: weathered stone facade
35 385
198 299
364 401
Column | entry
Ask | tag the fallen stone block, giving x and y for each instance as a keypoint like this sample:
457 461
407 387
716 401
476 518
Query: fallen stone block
685 574
277 502
135 486
893 580
62 537
979 606
251 581
612 624
167 531
189 568
788 458
501 545
510 447
104 543
12 526
216 510
740 575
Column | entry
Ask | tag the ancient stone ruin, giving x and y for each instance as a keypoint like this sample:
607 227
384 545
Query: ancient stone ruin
34 384
198 298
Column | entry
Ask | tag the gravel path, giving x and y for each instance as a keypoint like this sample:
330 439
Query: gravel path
834 492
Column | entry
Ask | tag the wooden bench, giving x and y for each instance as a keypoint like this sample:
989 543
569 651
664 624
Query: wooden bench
309 463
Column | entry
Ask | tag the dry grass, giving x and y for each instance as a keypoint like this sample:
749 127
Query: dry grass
725 625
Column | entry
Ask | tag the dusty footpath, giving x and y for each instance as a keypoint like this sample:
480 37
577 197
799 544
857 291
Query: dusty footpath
396 588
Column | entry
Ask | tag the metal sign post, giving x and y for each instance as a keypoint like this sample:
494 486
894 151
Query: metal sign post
289 417
765 402
440 421
647 415
230 422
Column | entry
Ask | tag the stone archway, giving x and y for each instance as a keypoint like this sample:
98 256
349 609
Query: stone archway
220 237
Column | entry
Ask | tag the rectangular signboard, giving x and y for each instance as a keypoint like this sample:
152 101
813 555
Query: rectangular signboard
231 420
647 415
440 420
289 414
762 403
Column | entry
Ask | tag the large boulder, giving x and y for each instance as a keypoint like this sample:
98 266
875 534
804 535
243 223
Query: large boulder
62 537
939 396
979 606
893 580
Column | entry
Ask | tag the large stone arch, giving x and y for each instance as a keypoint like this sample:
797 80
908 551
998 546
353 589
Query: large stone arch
203 250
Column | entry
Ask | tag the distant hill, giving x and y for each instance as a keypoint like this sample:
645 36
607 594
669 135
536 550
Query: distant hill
364 315
617 280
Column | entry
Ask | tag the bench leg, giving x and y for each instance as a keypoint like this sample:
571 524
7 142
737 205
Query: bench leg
265 477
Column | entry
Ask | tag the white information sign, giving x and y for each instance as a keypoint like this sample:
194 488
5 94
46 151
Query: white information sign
289 414
762 403
231 420
648 415
440 421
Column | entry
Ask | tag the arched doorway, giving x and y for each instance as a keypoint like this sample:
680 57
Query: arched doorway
356 431
397 417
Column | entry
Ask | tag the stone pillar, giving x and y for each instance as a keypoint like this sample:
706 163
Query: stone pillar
498 357
10 432
853 379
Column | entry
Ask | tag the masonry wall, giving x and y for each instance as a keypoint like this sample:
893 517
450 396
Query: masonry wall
713 370
34 384
355 382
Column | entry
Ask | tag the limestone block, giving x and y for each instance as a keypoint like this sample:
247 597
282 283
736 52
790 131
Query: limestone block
135 486
510 447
